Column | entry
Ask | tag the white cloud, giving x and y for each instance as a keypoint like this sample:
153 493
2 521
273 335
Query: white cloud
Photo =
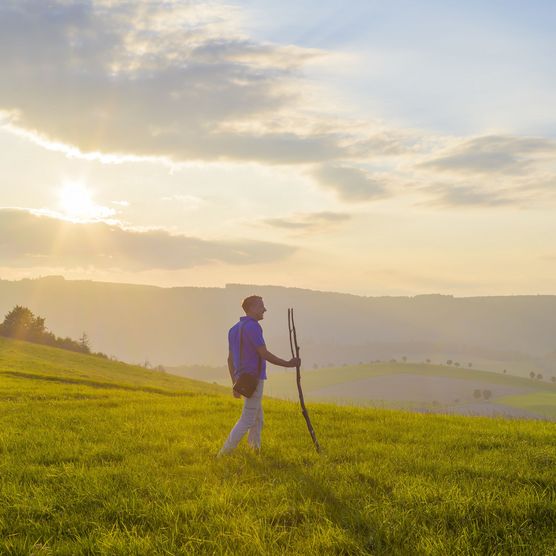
29 239
308 222
181 82
118 80
351 184
490 171
468 196
495 154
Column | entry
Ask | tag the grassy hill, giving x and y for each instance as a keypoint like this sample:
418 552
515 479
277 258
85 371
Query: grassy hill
415 386
99 457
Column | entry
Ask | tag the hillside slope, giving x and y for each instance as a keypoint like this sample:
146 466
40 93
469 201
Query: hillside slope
99 457
32 361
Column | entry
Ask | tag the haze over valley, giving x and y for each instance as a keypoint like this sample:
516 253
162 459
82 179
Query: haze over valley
187 326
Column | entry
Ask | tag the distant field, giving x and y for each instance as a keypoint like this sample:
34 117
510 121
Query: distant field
415 386
98 457
540 402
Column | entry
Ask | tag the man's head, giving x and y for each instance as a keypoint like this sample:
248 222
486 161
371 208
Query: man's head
254 307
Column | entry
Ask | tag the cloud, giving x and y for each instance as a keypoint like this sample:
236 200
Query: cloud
505 171
350 183
467 196
309 221
494 154
181 81
162 78
28 240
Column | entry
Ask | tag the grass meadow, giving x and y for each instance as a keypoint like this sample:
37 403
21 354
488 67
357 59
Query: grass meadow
99 457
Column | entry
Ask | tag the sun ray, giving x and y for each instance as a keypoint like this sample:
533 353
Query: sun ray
77 204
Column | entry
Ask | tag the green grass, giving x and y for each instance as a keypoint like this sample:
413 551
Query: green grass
24 358
543 403
98 457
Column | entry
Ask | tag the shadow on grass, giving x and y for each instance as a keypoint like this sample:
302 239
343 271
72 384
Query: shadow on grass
345 514
98 384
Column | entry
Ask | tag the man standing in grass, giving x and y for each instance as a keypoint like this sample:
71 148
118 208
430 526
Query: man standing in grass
254 356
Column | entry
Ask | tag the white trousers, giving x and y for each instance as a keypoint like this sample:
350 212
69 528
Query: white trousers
251 420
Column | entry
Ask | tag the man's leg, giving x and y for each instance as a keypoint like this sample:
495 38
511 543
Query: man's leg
251 407
254 437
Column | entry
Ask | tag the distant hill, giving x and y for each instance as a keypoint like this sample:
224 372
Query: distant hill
187 325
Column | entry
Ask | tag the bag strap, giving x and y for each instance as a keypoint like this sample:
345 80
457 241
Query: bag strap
260 365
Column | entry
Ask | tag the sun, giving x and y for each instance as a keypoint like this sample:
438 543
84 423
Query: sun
76 201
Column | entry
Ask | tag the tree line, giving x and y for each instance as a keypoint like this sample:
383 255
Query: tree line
21 324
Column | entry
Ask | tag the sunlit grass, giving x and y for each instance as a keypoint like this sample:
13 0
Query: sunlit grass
123 463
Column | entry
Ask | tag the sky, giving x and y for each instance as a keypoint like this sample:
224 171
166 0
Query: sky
374 148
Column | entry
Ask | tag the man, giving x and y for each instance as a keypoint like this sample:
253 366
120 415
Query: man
254 356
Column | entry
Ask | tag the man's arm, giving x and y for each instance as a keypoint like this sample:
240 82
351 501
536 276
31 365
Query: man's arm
271 358
231 365
231 370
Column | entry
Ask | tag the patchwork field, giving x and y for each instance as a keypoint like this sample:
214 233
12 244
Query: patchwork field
412 386
98 457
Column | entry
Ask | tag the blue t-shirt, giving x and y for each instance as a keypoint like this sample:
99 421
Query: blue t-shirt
252 338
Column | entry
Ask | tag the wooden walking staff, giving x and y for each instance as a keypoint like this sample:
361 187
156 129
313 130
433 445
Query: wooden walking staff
291 328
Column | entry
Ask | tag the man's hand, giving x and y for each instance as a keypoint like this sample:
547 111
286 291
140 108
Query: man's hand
236 394
271 358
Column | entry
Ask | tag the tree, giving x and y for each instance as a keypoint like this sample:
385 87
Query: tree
487 394
456 364
67 343
20 323
553 379
532 374
539 376
404 358
469 365
449 362
427 360
476 394
315 366
84 343
504 371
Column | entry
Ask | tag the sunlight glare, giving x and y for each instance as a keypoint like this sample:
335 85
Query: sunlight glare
76 201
